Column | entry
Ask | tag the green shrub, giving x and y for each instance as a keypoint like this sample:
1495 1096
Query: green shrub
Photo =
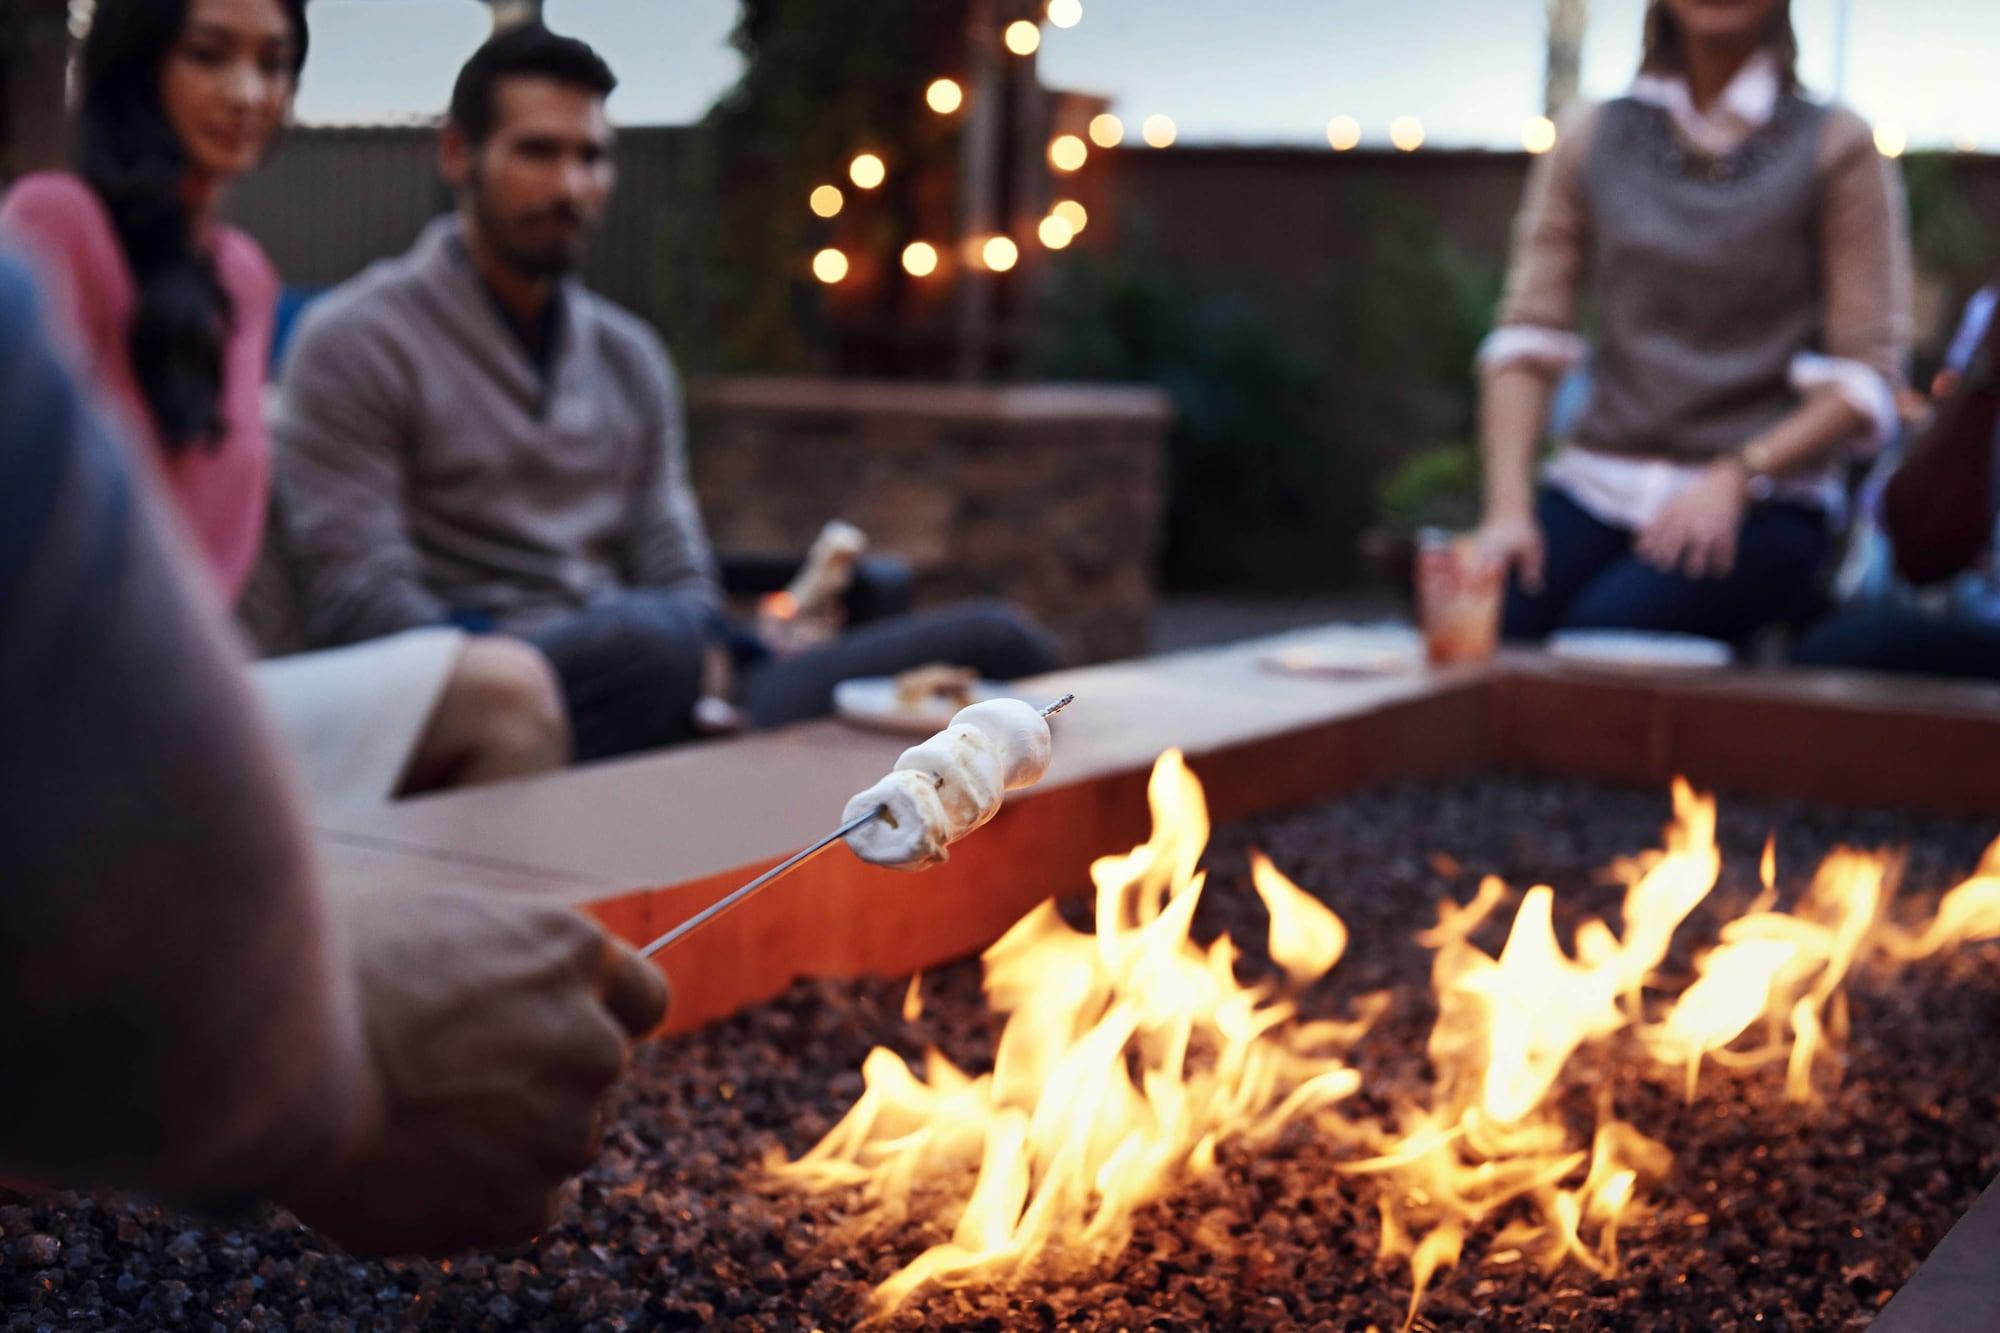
1264 494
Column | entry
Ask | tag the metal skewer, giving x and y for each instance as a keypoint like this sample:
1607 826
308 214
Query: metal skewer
721 905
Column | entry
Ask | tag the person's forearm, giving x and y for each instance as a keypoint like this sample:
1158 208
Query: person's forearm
1806 439
180 1022
1513 412
1938 508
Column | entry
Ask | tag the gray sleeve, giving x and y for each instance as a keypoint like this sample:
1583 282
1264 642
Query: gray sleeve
342 440
668 545
178 1020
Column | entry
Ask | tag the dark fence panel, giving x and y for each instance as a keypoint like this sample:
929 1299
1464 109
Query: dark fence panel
330 201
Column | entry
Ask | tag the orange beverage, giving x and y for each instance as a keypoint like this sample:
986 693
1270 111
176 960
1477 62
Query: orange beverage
1458 599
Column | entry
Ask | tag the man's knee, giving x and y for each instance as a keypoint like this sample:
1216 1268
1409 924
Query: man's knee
632 639
514 699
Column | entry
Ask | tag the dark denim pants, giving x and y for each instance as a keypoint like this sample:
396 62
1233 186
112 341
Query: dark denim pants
1593 580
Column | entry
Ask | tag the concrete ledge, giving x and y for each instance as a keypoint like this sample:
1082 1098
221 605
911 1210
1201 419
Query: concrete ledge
648 842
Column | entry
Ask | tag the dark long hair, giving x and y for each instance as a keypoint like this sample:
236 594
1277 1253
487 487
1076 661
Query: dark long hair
130 155
1666 44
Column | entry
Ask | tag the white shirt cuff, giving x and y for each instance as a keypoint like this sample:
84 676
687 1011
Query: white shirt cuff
1556 350
1860 386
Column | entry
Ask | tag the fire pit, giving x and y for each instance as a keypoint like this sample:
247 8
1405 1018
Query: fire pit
1774 1213
1380 800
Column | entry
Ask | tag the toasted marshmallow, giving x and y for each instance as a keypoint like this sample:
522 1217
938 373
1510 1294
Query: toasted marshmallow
964 773
909 834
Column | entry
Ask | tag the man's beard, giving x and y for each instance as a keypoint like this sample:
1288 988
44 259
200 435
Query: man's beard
552 259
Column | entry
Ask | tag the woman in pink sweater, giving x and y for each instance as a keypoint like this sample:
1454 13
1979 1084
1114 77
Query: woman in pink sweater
171 315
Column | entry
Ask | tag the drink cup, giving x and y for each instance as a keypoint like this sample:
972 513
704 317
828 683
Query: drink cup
1458 599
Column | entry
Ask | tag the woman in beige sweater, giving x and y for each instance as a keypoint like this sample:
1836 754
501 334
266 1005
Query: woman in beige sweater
1743 254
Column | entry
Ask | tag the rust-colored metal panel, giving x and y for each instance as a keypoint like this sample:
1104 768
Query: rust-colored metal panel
1608 730
838 917
1837 739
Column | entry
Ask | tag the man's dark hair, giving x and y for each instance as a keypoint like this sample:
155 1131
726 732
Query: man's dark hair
530 50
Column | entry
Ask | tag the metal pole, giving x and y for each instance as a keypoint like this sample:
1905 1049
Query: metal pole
1569 20
979 184
514 13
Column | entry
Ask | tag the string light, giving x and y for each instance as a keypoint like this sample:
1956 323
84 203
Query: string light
1023 38
827 201
920 259
1055 232
1407 133
944 96
1107 131
1343 132
1065 13
1538 135
1160 131
1068 153
867 171
999 253
1070 211
830 266
1891 139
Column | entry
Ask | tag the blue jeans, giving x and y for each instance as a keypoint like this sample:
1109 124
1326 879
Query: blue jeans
1593 580
1890 639
631 664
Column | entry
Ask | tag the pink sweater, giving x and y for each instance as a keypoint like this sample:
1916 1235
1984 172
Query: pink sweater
221 493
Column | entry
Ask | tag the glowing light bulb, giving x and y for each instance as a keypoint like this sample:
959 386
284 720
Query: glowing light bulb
1065 13
827 201
1538 135
1068 153
1055 232
1407 133
1107 131
867 171
920 259
830 266
1160 131
1023 38
944 96
1891 139
1343 133
999 253
1070 211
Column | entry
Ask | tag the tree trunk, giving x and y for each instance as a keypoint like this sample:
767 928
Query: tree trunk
1569 20
34 62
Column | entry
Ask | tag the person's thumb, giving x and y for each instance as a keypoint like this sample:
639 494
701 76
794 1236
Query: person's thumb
633 989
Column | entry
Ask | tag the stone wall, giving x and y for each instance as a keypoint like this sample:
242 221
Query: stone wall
1051 496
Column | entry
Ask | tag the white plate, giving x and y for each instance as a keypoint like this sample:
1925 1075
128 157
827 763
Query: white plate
1628 648
1367 650
871 702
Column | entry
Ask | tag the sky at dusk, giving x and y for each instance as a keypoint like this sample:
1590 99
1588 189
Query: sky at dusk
1253 71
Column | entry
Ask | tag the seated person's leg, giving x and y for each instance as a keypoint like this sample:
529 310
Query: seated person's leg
1779 553
1886 639
1579 548
501 716
631 670
991 637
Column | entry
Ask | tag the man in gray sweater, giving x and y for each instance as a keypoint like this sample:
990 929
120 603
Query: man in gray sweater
466 434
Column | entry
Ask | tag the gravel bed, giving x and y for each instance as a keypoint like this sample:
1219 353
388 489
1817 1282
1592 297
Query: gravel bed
1776 1217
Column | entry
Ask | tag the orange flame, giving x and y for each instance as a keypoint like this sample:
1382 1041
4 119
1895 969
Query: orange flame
1129 1055
1127 1058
